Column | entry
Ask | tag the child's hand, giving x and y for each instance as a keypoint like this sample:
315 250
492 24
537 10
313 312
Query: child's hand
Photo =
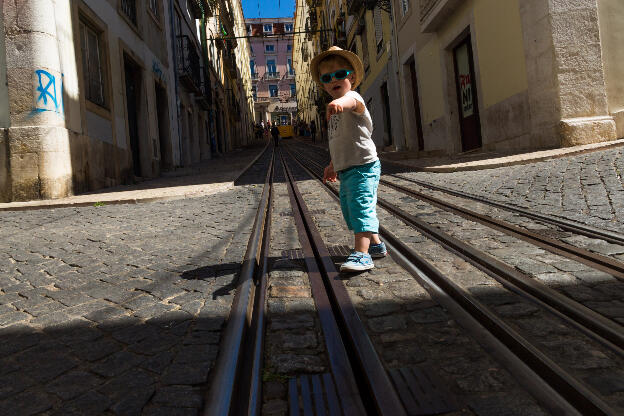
335 107
329 174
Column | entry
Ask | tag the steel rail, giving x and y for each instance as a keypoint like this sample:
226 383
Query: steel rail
569 225
597 261
248 398
599 327
565 385
226 374
374 379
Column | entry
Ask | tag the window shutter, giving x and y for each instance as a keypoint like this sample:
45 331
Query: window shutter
378 26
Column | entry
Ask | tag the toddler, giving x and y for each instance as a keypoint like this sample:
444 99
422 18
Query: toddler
353 154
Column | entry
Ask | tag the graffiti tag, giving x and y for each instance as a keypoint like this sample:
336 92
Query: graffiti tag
50 91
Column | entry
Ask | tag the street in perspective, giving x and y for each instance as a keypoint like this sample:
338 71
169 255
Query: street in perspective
311 208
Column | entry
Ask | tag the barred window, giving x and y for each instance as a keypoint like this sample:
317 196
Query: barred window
378 28
128 7
153 5
90 45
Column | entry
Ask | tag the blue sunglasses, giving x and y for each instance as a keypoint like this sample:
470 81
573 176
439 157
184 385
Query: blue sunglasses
339 75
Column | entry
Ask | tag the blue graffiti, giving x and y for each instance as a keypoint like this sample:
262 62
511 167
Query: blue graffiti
45 91
156 69
50 98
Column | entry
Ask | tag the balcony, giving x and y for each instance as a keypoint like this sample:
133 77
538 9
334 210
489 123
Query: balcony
290 73
262 99
272 75
255 76
189 69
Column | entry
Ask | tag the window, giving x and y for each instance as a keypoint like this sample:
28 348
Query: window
92 67
288 27
271 68
405 6
378 28
293 90
250 49
254 93
289 47
153 6
128 7
252 66
269 48
249 29
273 90
289 67
268 27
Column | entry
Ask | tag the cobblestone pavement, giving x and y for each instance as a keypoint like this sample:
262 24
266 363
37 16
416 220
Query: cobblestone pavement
117 309
588 188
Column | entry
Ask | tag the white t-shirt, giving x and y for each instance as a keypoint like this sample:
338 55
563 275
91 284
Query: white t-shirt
350 142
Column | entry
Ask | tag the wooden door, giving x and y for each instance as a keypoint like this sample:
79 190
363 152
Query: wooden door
470 125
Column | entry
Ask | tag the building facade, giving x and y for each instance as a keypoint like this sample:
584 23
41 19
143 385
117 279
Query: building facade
96 93
509 75
272 69
303 51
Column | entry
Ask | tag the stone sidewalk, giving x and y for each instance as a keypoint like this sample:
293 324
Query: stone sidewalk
205 178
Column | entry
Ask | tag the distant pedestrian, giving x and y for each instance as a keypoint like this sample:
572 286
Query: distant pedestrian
313 130
353 153
275 134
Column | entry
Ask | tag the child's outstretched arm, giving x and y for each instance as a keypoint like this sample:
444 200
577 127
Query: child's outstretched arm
329 174
345 103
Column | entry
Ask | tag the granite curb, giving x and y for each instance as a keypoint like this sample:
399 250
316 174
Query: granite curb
164 188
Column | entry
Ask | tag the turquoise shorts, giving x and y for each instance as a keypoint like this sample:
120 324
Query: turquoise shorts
358 196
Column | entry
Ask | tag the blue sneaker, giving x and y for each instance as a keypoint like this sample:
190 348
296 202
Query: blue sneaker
377 251
357 262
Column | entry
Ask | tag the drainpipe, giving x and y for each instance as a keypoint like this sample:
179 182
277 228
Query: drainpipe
175 75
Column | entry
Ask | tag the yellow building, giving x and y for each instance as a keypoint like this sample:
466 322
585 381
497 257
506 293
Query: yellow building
303 51
510 75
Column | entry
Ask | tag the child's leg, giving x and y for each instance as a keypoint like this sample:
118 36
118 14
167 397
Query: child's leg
375 238
362 241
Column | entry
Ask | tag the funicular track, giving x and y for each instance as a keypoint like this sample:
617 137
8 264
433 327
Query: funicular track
557 389
236 385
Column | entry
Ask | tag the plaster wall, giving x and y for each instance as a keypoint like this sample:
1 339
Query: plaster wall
611 18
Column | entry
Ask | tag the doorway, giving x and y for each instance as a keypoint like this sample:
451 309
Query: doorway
416 99
162 112
133 82
387 139
465 81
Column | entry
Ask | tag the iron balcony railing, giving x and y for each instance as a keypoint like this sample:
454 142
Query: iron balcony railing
189 68
290 73
128 7
272 75
255 76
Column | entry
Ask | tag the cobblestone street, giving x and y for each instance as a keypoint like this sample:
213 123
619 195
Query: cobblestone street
588 188
117 308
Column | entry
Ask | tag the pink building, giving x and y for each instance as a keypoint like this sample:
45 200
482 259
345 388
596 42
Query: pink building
272 71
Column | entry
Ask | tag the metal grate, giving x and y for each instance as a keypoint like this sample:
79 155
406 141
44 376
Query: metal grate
313 395
336 252
422 392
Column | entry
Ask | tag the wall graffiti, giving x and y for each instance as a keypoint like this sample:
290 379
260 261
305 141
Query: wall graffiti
49 93
157 70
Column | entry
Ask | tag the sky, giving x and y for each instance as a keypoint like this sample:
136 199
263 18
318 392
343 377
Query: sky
268 8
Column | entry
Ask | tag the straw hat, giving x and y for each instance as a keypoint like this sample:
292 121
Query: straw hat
352 58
